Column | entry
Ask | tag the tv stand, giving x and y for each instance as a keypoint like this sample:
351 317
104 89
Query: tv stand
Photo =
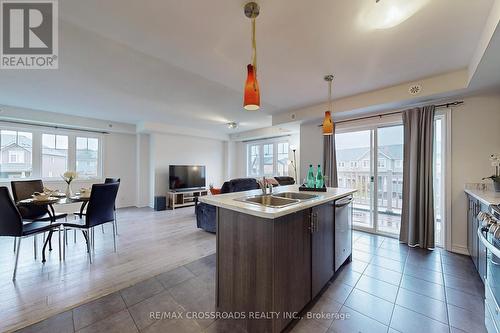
184 198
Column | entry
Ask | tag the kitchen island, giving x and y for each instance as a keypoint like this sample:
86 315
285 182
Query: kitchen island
275 253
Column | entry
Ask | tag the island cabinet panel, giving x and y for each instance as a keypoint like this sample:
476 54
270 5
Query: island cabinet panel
292 265
263 265
245 266
322 237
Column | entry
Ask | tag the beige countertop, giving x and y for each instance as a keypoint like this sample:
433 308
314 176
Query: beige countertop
486 196
228 201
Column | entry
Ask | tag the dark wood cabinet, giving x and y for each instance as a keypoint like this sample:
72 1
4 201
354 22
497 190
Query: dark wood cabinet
322 242
274 265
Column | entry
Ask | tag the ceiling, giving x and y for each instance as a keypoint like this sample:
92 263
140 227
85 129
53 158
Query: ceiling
182 62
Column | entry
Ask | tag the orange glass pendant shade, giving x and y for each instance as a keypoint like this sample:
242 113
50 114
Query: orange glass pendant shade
327 124
251 99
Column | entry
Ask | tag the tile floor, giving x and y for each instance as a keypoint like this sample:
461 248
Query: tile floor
388 287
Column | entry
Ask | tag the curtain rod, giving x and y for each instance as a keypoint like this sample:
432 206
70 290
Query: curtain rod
445 105
52 126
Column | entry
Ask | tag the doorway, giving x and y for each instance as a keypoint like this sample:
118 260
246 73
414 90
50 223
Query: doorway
371 161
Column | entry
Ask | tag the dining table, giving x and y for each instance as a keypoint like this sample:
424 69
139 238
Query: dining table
49 203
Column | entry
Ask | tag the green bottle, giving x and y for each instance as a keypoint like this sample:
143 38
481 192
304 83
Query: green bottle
319 178
310 177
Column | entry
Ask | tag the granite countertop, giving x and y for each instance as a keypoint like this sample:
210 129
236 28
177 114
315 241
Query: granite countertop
486 196
228 201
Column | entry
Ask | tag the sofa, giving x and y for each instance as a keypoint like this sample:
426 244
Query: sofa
206 214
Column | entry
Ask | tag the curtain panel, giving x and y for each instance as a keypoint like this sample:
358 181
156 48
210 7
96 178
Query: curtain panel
417 220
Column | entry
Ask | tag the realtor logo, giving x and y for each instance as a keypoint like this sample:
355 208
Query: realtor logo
29 34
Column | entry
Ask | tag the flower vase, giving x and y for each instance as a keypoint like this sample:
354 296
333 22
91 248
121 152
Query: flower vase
69 192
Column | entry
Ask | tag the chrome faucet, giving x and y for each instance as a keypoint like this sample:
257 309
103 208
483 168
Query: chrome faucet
264 184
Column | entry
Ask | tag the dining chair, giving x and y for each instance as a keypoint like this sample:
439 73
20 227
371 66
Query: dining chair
11 224
81 214
100 210
24 189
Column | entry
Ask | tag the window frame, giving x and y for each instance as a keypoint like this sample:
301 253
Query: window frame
260 144
37 150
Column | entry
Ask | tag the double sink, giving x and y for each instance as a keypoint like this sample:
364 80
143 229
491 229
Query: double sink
278 200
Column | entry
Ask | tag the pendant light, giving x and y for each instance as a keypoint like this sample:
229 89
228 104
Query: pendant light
327 121
251 100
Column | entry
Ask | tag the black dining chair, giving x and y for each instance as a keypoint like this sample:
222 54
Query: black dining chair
80 214
11 224
24 189
100 210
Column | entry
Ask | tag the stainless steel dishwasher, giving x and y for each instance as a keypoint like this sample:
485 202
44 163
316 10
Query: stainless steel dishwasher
343 230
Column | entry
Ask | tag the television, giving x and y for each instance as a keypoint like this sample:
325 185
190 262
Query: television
185 177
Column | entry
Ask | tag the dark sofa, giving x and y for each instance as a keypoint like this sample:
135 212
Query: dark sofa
205 214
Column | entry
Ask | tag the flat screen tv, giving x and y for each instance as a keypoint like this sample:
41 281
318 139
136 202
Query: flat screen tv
185 177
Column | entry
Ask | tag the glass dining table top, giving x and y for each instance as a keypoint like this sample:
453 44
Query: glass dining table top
53 200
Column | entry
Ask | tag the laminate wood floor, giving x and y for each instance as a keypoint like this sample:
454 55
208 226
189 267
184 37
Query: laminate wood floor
148 243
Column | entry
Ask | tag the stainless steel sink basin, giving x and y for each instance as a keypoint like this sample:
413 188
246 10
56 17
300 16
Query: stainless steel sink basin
296 196
269 201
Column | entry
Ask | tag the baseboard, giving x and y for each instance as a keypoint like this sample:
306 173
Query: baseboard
460 249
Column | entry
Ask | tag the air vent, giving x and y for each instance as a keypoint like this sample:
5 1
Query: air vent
415 89
292 116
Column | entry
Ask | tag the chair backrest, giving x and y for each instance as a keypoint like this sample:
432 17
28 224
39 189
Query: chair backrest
101 204
111 180
11 222
23 189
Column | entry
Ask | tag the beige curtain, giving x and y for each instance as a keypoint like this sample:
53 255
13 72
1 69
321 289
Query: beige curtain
330 160
417 220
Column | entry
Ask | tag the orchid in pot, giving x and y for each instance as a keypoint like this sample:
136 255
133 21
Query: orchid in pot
495 161
68 177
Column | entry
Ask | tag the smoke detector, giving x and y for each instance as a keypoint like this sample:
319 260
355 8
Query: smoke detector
415 89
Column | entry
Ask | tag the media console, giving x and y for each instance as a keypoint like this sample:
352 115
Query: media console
183 198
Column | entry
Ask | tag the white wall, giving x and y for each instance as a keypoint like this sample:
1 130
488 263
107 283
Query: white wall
311 143
169 149
119 160
475 135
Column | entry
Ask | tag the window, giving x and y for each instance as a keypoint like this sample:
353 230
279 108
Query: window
267 159
381 163
54 155
16 154
366 163
399 163
282 162
32 152
87 157
354 164
253 160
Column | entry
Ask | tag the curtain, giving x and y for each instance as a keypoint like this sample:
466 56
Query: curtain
330 160
417 220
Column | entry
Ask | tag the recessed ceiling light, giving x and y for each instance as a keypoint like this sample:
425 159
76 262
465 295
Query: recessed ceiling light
385 14
232 125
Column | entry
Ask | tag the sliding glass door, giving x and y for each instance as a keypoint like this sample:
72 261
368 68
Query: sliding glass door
355 170
389 149
371 161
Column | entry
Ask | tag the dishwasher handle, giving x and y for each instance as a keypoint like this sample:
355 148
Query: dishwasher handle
343 202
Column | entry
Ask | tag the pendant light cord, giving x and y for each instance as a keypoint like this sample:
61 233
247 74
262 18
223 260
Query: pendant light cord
254 47
330 105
